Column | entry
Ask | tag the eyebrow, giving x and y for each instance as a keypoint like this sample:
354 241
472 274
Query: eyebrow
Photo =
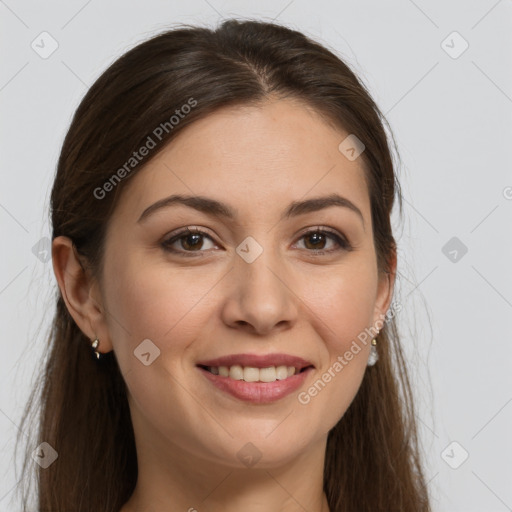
218 209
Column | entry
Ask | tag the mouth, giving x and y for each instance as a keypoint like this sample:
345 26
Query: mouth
255 374
256 385
256 379
256 368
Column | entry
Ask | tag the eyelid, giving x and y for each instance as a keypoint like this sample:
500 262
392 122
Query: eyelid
188 230
338 237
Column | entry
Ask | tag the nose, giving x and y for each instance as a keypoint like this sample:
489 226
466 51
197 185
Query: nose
260 298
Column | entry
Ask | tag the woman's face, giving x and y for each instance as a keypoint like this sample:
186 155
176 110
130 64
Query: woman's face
255 283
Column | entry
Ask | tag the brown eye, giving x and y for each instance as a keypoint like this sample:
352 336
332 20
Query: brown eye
314 240
317 239
190 240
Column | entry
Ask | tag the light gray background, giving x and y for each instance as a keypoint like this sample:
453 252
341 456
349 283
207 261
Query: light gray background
452 121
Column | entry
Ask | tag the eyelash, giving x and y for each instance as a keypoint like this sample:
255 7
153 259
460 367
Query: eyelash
343 244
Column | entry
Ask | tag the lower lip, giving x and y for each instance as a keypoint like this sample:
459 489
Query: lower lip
257 392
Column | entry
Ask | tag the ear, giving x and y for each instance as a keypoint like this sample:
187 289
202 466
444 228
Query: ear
385 289
80 292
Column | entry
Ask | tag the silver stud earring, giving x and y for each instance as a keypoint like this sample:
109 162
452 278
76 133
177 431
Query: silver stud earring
94 345
374 355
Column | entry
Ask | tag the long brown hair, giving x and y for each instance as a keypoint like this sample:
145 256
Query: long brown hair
373 461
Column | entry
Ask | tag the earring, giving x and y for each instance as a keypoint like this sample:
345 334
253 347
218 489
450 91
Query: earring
94 345
374 355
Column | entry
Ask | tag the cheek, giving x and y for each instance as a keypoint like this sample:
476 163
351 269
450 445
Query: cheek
343 303
341 311
155 302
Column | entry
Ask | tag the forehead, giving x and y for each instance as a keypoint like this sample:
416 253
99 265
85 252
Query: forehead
255 158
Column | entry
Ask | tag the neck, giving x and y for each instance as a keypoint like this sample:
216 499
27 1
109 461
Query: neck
172 479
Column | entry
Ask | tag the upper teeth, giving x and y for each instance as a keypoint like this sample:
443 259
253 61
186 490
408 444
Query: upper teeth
252 374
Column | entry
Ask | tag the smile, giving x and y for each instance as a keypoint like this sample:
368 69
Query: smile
256 391
253 374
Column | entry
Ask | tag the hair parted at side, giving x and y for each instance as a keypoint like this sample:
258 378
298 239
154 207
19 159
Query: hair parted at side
373 461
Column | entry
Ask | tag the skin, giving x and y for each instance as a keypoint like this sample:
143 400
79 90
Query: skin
188 432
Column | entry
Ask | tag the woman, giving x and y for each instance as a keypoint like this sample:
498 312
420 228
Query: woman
224 336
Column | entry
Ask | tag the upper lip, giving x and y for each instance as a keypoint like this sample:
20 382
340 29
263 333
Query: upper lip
258 361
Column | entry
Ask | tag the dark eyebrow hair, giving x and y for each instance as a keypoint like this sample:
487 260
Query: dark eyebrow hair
218 209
